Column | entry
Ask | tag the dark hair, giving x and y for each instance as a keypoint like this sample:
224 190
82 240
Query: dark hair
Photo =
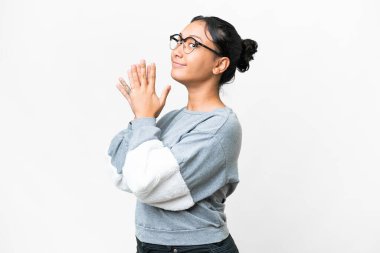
229 44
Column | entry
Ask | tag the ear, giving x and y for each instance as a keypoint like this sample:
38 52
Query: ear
221 65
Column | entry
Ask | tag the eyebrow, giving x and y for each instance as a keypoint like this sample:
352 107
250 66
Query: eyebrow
192 36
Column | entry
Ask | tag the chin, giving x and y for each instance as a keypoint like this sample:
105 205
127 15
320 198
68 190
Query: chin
178 76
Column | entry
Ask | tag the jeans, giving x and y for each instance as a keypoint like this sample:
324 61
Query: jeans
225 246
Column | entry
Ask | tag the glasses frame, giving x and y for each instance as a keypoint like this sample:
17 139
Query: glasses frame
197 43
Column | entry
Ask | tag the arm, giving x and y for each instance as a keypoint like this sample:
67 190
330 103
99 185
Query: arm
174 178
117 151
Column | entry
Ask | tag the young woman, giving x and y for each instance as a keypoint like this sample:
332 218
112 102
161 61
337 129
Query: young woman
183 167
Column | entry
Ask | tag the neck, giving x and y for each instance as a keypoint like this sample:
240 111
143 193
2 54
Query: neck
203 97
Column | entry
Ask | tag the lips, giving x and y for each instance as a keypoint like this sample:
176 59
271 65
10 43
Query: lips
178 64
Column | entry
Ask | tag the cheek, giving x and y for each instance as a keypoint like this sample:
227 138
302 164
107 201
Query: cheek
198 68
201 69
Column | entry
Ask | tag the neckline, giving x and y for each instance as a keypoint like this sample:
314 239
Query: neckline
201 112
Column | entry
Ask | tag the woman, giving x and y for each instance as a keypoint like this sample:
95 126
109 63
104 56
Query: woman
184 166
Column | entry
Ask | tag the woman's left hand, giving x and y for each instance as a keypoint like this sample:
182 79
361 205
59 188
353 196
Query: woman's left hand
141 93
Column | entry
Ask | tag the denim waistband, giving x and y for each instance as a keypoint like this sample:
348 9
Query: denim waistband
226 245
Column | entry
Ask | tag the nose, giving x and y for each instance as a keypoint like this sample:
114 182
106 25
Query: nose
178 51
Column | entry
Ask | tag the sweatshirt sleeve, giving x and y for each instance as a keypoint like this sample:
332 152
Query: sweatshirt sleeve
173 178
117 151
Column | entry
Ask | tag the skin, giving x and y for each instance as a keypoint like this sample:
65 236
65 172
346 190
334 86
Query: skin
199 72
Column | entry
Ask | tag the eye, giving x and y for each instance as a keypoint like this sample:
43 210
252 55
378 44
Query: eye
192 43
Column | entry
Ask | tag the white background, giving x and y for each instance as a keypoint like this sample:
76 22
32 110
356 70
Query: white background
309 109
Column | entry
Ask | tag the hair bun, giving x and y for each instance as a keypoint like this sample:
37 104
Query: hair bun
249 47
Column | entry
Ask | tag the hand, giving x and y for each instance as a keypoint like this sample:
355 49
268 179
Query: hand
141 94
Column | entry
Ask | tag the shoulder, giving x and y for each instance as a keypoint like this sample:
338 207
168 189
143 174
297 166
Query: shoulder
220 123
229 135
231 126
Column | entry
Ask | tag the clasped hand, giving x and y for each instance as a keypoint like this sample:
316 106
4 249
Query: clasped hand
141 94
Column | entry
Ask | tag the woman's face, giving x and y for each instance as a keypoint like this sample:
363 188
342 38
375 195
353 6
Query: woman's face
195 67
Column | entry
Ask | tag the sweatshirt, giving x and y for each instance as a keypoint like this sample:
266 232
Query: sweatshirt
181 169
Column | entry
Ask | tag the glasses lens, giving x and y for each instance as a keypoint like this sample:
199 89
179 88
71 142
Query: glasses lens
174 41
190 44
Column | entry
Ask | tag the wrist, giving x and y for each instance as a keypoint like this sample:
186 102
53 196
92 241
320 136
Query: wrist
145 116
142 122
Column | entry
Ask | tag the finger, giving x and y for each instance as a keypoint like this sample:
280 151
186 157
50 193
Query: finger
125 85
164 95
152 75
143 71
129 72
124 92
135 77
139 75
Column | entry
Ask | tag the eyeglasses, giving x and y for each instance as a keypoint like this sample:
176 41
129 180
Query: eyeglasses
189 44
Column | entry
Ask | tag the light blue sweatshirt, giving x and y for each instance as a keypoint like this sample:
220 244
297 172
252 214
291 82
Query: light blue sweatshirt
181 170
